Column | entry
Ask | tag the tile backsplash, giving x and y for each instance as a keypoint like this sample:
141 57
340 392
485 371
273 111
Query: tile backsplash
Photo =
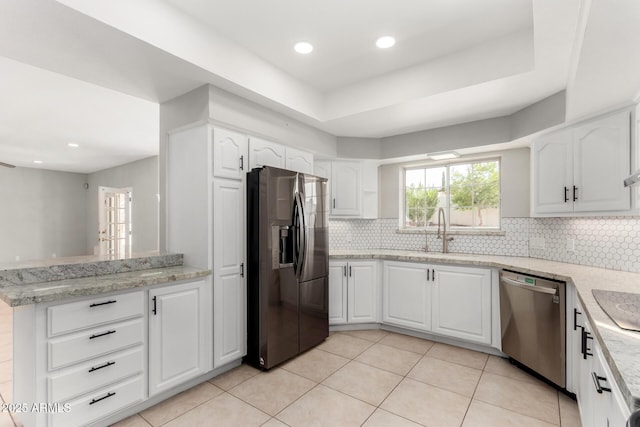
609 242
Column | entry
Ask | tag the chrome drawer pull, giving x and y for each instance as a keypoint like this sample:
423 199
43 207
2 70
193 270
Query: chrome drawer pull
102 334
95 368
102 398
102 303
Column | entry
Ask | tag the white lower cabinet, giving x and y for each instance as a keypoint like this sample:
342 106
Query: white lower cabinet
462 303
446 300
337 293
360 278
180 334
406 295
599 398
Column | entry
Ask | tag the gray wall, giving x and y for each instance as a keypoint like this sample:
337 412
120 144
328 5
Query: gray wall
541 115
142 176
42 213
514 182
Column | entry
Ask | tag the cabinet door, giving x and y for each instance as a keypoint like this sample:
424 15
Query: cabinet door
552 173
265 153
462 303
179 334
362 292
337 292
602 160
345 188
229 285
407 295
575 323
229 153
322 168
298 160
586 393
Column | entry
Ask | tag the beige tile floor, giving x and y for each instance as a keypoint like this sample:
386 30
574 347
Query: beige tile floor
359 378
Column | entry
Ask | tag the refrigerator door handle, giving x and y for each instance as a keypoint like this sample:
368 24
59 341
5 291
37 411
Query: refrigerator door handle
301 241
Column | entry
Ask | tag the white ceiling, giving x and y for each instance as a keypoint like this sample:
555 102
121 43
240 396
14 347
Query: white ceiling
343 32
454 61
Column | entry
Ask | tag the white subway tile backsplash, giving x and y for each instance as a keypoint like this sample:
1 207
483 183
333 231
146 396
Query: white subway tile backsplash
609 242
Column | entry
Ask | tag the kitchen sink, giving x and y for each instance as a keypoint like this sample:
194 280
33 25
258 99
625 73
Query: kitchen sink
622 307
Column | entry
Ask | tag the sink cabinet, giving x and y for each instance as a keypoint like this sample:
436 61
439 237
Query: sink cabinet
406 294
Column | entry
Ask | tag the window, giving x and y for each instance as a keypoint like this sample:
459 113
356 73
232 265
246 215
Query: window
469 194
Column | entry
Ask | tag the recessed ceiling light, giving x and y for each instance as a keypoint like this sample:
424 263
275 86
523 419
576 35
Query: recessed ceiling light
303 48
385 42
38 162
73 145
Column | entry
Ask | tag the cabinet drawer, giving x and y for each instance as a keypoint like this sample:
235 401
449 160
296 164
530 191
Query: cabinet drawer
99 404
92 343
93 312
95 374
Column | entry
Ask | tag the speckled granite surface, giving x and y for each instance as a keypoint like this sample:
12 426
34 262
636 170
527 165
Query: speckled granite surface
621 348
83 266
25 294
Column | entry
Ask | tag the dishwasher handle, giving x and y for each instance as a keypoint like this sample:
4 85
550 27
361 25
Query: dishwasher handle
541 289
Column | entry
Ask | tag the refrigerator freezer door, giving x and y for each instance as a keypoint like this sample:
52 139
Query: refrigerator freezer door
314 313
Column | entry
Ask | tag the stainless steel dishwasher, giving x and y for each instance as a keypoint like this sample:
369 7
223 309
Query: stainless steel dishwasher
532 318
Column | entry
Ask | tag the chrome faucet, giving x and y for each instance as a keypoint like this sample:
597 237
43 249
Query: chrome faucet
445 239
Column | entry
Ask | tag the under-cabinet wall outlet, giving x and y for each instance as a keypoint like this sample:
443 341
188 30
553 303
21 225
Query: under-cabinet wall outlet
571 245
536 243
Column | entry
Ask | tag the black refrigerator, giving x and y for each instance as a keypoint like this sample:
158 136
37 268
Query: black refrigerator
288 265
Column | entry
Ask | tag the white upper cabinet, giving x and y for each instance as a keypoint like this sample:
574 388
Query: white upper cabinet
353 187
581 169
601 161
229 153
322 168
345 188
265 153
298 160
553 159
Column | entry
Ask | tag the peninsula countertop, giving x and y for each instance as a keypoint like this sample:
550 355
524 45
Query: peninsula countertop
57 279
620 347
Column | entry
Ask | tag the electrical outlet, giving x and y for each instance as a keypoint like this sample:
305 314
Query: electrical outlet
571 245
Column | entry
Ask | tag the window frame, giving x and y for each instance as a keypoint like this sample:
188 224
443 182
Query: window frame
447 165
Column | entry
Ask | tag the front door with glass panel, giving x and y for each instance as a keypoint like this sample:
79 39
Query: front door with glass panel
115 220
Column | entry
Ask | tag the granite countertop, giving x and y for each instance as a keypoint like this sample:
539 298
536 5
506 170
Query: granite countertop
30 282
31 293
620 347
